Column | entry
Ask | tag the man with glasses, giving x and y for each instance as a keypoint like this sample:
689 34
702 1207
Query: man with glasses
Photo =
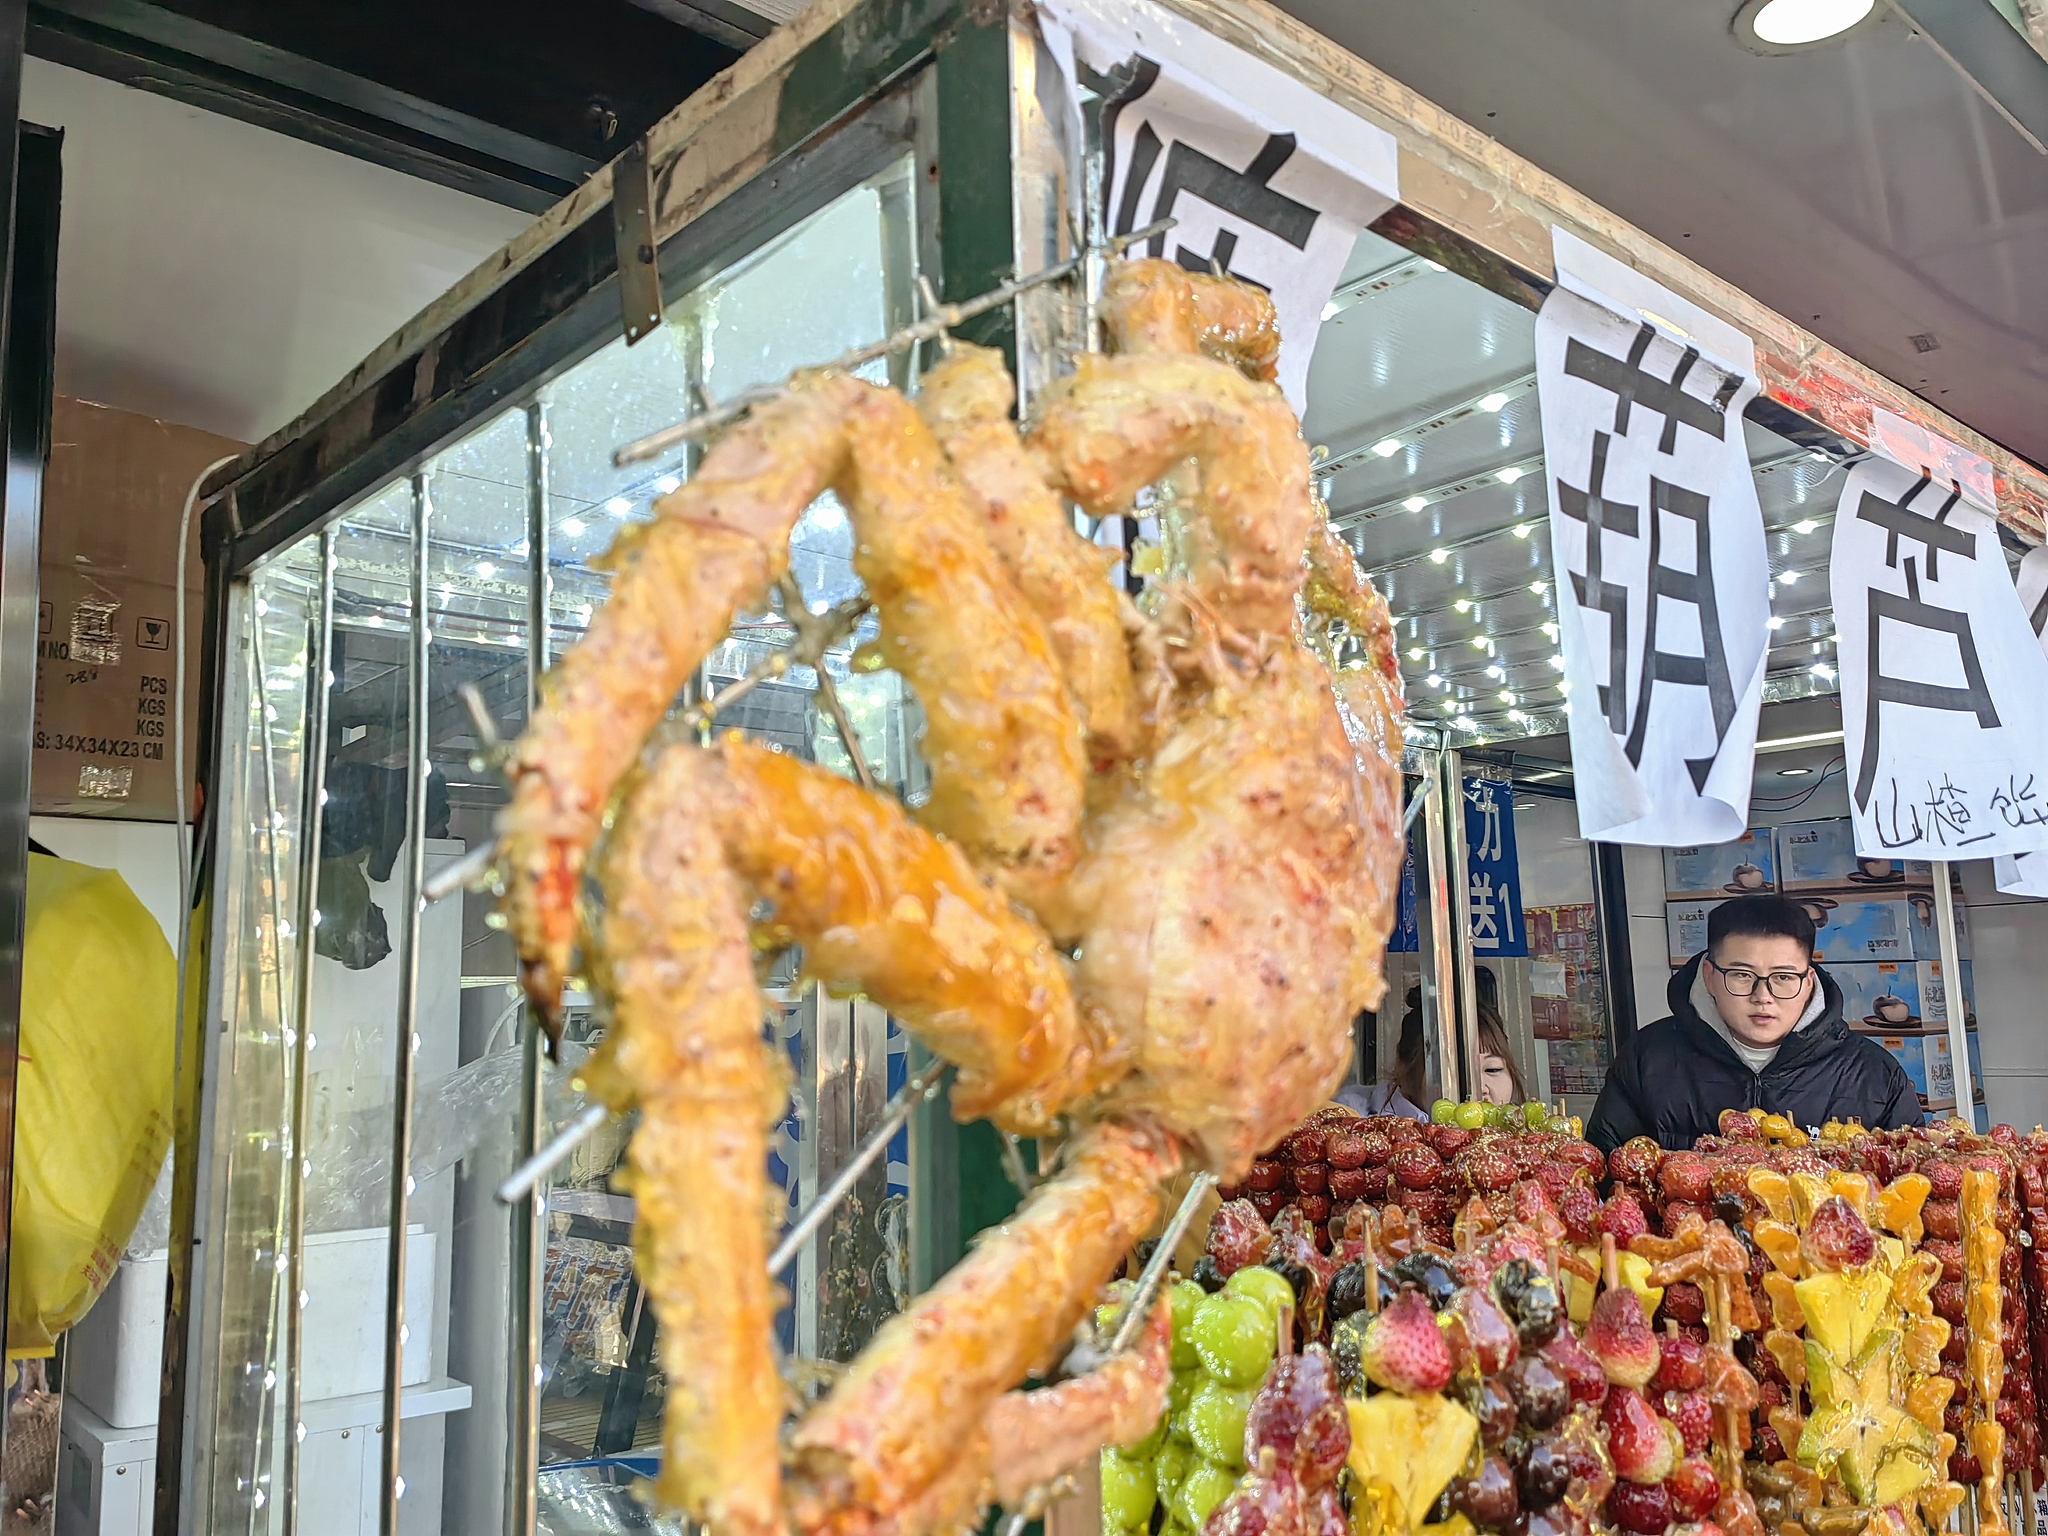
1754 1024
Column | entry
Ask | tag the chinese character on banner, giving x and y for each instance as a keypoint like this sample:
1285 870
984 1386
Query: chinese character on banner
1944 688
1493 875
1267 180
1663 585
2026 874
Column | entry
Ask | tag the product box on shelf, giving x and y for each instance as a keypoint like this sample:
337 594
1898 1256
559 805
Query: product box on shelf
1925 1056
1821 856
1897 930
1737 868
1885 996
1685 925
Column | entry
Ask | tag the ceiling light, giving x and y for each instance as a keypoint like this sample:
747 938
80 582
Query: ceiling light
1387 447
1549 629
618 506
1557 663
1522 529
1495 673
1415 653
1795 23
1821 669
485 569
1506 697
1510 475
1564 686
1416 503
1493 402
1787 578
828 517
1330 310
1479 642
1439 555
1539 587
572 526
1794 773
1805 525
1517 716
668 483
1433 681
1776 622
1463 605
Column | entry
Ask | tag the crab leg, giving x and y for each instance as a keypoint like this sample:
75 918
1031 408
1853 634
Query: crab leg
1004 749
901 1418
966 400
878 903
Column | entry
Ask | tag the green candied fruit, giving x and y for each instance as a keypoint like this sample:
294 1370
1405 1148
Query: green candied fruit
1441 1111
1205 1486
1235 1338
1183 1297
1535 1114
1216 1422
1169 1467
1128 1492
1268 1287
1179 1393
1470 1116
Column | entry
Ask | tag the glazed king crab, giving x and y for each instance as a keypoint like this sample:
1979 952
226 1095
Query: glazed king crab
1148 892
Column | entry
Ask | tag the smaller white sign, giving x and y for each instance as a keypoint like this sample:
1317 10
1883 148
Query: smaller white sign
2026 874
1944 690
1267 180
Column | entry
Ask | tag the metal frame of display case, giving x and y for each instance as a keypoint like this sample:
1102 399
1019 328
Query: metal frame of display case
801 117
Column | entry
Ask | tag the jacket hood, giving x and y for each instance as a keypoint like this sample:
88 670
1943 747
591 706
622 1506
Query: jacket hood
1824 1034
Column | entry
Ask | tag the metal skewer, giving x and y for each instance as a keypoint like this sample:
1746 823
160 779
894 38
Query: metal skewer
1139 1307
947 317
913 1093
1415 804
537 1167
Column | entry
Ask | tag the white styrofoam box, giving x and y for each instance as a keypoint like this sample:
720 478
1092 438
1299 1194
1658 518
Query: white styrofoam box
116 1351
114 1362
106 1477
1744 866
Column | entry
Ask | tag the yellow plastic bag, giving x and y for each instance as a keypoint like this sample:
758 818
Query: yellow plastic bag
93 1095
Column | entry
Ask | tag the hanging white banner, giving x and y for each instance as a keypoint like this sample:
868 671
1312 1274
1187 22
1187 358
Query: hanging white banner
1944 690
2026 874
1267 180
1665 618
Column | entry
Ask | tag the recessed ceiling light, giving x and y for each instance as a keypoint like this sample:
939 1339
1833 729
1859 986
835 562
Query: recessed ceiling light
1794 773
667 484
1387 447
1495 673
1479 642
1539 587
1493 402
1805 525
1776 622
1434 681
1796 23
1787 578
1521 529
1463 605
618 506
1509 476
1506 697
1416 503
485 569
1439 555
1549 629
1557 663
572 526
1415 653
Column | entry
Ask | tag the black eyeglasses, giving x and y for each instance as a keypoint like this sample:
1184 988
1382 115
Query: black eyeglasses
1784 985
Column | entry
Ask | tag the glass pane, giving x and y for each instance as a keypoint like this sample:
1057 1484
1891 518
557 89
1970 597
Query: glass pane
470 1023
839 280
238 1456
356 1000
1567 974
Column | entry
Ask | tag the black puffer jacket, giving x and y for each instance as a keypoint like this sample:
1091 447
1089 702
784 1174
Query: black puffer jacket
1674 1078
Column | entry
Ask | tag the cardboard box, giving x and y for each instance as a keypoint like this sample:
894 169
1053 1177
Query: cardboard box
1821 856
1896 930
1888 996
1685 924
1925 1056
1748 864
113 490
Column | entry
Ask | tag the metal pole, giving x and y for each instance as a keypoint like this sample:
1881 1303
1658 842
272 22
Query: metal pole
1439 990
1952 996
314 757
405 1047
529 1233
1461 919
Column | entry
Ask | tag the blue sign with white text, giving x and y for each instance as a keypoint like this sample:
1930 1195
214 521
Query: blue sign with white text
1493 876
